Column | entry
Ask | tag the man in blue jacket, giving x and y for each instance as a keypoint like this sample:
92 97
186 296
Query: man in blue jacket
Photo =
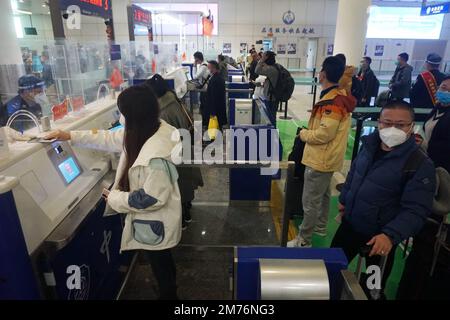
383 204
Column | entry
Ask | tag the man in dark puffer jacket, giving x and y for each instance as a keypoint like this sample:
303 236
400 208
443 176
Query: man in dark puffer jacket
381 205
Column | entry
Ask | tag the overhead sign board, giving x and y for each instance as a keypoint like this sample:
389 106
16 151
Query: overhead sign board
141 17
96 8
432 9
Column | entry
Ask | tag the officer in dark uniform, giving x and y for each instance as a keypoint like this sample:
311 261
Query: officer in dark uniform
31 96
423 92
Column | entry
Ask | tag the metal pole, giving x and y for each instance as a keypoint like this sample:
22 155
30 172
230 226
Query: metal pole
314 92
359 125
313 77
285 117
280 107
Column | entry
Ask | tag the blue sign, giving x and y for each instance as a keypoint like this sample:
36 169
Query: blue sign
330 49
115 52
96 8
288 17
435 9
379 50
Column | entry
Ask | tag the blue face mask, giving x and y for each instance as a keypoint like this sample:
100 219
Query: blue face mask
443 97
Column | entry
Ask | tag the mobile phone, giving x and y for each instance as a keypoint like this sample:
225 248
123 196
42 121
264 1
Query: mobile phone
105 193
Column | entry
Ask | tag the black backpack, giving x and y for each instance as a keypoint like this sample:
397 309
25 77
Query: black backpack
376 87
285 85
296 155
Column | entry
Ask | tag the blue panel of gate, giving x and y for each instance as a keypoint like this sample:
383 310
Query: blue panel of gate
94 251
235 71
251 184
17 280
239 95
247 267
191 68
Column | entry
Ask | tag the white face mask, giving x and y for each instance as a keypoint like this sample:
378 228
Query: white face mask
393 137
41 99
122 120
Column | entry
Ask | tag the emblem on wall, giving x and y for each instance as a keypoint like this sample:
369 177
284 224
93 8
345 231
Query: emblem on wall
288 17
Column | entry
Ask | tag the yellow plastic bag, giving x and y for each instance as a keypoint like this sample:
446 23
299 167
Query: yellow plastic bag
213 127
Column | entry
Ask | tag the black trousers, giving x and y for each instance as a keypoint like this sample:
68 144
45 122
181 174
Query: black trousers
273 109
203 109
164 270
416 282
351 242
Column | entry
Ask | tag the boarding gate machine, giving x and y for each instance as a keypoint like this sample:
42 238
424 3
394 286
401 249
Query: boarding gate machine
56 244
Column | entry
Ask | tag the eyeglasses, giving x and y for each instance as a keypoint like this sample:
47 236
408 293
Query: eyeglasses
400 126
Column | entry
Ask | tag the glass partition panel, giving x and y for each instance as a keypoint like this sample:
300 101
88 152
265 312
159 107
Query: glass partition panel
75 74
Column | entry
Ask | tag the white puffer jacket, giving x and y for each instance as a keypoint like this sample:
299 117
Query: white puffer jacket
153 205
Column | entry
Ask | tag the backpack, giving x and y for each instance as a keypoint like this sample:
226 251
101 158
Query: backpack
376 88
296 155
357 90
294 204
441 203
285 85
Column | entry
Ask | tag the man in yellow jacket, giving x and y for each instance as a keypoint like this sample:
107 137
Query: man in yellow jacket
325 145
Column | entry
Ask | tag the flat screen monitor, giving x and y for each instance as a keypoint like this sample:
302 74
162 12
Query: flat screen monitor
69 170
403 23
116 128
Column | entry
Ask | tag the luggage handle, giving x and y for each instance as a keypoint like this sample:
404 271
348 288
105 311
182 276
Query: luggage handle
364 251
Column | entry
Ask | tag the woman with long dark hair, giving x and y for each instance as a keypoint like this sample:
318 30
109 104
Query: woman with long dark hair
145 187
175 114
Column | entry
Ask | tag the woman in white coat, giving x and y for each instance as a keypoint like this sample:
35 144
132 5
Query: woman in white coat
145 187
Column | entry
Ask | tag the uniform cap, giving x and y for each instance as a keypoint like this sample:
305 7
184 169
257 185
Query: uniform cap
28 82
434 58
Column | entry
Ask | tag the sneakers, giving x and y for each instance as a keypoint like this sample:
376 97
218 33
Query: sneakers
187 212
298 243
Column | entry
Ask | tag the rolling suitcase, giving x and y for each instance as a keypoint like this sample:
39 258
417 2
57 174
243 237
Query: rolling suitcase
375 293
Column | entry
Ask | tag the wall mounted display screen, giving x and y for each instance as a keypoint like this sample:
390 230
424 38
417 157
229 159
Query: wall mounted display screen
69 170
403 23
170 18
140 31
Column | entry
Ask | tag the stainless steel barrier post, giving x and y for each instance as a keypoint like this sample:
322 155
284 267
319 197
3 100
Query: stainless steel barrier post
315 91
313 77
285 117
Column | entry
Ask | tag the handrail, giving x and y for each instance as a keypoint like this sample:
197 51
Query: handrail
103 85
24 113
